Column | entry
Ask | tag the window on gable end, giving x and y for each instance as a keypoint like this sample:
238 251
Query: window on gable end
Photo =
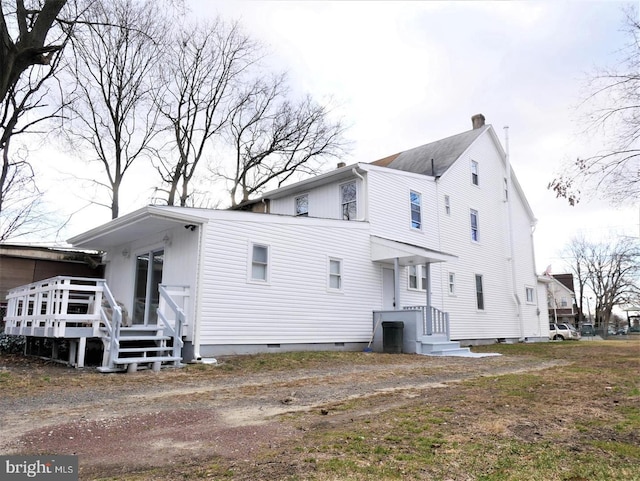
506 189
475 179
416 210
475 229
302 205
447 205
452 284
348 200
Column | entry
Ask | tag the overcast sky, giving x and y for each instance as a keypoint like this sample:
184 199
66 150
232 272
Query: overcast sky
407 73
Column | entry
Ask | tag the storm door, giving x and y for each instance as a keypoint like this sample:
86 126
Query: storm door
148 278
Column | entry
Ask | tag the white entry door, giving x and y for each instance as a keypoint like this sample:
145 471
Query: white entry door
388 290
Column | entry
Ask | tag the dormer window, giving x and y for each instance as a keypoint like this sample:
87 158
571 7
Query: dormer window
302 205
348 201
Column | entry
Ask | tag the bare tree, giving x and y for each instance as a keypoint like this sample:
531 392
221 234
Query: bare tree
114 115
27 69
610 270
274 138
613 110
200 74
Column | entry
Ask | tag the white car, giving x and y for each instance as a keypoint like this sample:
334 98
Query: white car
563 332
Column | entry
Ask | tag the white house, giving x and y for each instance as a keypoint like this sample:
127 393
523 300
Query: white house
439 237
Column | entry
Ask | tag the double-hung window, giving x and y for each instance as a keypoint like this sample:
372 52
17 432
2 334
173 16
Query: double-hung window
335 274
348 200
452 284
416 210
447 205
259 263
302 205
417 277
475 227
479 293
475 179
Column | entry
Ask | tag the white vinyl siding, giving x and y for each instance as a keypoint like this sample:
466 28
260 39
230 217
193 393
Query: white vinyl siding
297 306
415 199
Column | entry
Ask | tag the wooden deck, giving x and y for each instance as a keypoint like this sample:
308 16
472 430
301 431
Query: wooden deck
77 309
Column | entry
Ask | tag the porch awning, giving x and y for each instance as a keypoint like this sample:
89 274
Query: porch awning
386 250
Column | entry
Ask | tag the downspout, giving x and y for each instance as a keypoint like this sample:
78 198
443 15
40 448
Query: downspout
511 241
396 281
197 317
365 213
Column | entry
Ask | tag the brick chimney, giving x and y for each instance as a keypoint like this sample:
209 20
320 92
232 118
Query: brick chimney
477 121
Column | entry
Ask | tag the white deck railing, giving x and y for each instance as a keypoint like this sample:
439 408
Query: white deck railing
434 321
50 307
174 317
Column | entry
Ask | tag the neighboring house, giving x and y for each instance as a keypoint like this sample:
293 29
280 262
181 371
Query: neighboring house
561 299
443 229
22 264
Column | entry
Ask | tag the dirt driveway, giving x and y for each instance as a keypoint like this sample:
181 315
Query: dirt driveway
121 423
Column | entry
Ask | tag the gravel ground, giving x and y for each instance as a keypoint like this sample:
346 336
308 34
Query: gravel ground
122 422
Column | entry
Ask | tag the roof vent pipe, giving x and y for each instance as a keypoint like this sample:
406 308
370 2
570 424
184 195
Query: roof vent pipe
433 169
477 121
340 165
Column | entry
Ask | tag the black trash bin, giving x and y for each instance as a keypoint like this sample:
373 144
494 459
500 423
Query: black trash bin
392 333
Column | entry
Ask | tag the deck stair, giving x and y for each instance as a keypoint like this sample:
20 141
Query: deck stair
440 346
140 346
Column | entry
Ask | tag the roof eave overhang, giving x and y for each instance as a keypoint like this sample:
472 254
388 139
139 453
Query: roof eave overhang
386 251
137 224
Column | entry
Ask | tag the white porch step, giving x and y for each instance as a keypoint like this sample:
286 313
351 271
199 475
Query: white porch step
143 359
145 349
144 338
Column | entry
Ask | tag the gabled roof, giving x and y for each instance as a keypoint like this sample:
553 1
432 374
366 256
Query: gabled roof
444 153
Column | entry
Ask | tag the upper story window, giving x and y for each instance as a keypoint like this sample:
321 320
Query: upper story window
416 206
475 180
259 262
564 302
447 205
479 293
475 231
506 189
452 284
529 294
302 205
348 200
335 274
417 277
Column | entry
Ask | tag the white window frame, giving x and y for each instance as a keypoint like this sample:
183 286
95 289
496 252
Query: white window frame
417 272
331 275
252 262
479 293
295 206
343 203
475 173
447 205
475 230
530 294
451 283
415 207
